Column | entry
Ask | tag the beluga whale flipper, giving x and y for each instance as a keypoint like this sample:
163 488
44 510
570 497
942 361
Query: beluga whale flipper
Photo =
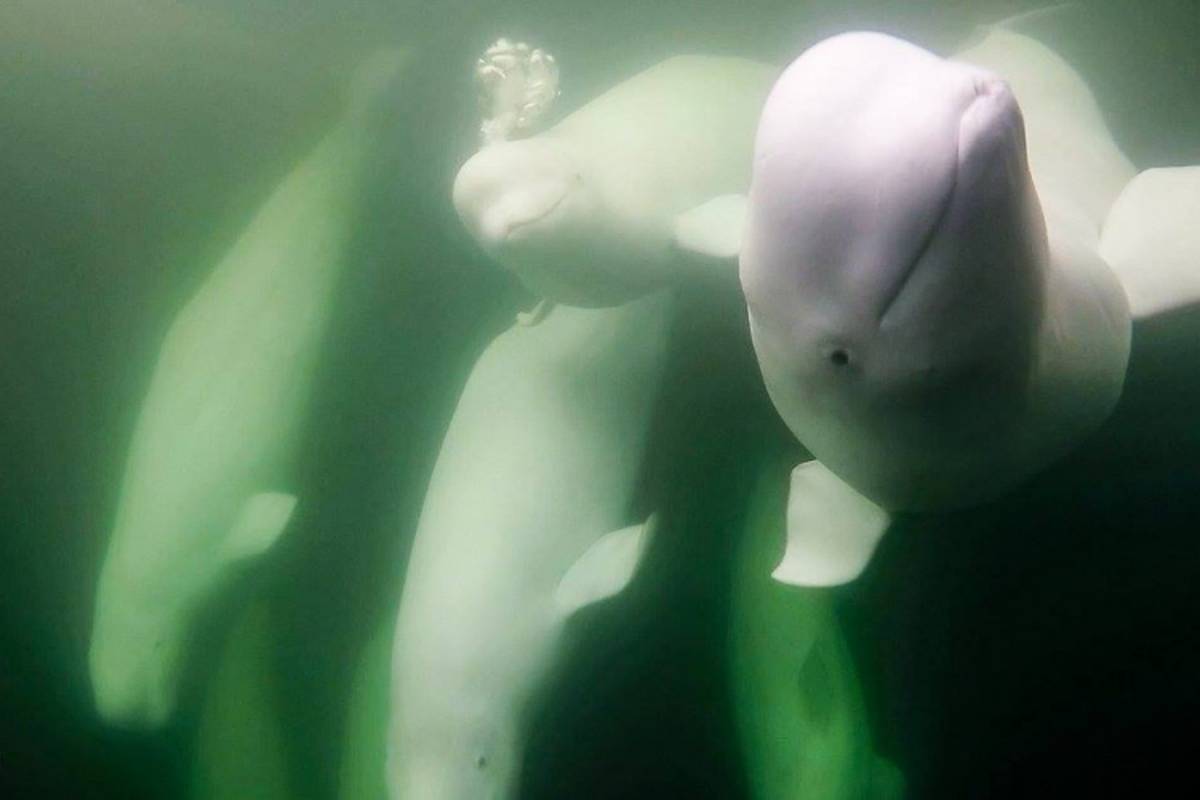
207 487
589 211
942 260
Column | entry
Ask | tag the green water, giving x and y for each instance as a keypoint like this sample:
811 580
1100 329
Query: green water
1045 643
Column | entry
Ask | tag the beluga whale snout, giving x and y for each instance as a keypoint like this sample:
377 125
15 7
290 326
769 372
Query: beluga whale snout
509 186
530 206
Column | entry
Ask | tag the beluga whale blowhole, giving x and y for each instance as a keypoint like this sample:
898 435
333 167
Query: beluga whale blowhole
942 261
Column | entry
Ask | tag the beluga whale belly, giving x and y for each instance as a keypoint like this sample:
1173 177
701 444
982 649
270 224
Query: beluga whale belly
942 260
598 209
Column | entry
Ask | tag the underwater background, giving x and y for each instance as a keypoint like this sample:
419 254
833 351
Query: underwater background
1044 644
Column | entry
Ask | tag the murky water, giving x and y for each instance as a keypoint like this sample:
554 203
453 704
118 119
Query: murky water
1042 644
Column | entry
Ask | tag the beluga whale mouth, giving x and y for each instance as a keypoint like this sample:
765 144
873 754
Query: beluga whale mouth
506 190
520 229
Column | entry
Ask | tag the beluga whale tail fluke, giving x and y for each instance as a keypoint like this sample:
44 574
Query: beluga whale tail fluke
942 260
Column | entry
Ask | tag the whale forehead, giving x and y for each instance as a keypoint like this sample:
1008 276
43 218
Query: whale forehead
500 172
855 164
134 671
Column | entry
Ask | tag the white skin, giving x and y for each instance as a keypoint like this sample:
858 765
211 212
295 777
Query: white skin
932 317
539 462
583 213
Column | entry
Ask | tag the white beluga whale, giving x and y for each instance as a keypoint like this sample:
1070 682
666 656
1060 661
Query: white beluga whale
942 260
208 485
595 210
524 522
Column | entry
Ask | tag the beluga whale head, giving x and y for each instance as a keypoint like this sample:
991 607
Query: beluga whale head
135 662
533 205
531 198
624 195
893 264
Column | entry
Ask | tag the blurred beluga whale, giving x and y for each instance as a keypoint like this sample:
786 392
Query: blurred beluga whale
942 262
590 211
208 483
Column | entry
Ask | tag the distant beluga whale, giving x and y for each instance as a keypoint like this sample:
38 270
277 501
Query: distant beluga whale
942 261
595 210
209 482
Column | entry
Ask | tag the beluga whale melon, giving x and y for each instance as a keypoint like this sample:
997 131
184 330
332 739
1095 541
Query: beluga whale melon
595 210
207 485
942 262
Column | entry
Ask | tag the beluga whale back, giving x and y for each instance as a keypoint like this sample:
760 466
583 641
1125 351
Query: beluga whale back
942 261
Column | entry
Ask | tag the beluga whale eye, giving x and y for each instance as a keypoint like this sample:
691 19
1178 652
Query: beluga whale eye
481 761
839 357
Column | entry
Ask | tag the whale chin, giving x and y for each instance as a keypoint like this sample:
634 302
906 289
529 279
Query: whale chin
582 283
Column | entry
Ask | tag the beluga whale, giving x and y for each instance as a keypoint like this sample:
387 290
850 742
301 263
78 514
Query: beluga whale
525 522
607 204
209 483
943 261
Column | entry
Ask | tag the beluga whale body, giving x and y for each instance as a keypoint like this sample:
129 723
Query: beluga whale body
524 523
604 205
942 261
209 480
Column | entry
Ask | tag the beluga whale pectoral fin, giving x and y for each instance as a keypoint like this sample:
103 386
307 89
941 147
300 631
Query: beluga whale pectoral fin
1151 240
832 530
606 568
714 228
259 524
527 319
